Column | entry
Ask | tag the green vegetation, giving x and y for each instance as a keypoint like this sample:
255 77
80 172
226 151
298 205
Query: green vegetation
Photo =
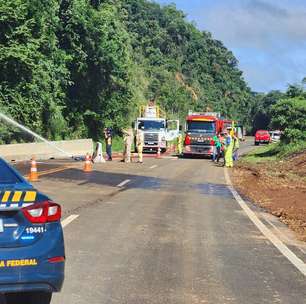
290 115
286 112
69 68
276 151
117 145
261 154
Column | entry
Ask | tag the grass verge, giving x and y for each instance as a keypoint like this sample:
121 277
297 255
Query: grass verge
117 145
274 152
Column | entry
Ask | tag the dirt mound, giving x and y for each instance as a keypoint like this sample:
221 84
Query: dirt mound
279 187
296 165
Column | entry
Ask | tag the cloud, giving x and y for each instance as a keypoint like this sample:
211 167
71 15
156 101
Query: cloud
267 8
268 37
255 24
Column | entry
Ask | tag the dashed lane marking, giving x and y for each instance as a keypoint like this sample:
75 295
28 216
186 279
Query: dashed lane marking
296 261
123 183
153 167
69 220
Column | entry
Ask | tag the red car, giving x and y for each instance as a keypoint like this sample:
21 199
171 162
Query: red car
262 137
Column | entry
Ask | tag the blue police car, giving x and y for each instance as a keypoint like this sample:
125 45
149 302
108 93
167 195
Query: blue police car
32 255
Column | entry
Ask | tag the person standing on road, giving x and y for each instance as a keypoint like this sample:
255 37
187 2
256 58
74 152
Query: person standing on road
229 146
140 142
218 146
128 140
216 143
108 142
236 148
222 150
180 143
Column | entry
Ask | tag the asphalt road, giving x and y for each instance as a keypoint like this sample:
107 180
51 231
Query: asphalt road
168 231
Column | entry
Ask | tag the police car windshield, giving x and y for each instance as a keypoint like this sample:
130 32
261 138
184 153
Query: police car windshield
7 175
201 126
152 124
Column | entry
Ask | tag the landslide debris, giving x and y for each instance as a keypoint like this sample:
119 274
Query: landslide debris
277 186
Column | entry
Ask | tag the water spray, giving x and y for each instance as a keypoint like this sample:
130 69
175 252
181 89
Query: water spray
25 129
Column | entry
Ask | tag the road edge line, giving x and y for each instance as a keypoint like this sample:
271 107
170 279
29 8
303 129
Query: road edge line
68 220
285 251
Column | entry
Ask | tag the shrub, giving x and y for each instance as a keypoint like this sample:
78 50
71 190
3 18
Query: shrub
289 115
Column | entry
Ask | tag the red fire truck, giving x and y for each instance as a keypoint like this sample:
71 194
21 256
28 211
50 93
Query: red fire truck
200 130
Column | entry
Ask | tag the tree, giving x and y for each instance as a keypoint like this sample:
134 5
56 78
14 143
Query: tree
101 92
71 67
33 73
289 115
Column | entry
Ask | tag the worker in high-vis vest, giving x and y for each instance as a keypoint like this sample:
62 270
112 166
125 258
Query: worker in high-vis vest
140 142
228 150
180 144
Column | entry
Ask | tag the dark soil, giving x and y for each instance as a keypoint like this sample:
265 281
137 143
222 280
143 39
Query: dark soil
279 187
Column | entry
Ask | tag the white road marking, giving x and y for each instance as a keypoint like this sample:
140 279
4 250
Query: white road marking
124 183
285 238
296 261
69 219
153 167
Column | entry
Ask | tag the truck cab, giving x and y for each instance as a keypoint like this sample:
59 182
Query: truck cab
157 130
200 130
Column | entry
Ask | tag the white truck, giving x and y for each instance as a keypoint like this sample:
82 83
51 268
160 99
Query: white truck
157 130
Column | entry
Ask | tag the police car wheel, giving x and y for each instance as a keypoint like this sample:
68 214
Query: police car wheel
29 298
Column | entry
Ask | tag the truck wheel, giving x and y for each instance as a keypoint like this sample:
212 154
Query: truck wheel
256 143
29 298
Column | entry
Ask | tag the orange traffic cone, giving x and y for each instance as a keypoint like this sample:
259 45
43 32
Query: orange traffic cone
88 164
33 177
158 153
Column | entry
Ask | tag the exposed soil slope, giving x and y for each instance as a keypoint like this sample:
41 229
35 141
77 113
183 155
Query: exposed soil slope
279 187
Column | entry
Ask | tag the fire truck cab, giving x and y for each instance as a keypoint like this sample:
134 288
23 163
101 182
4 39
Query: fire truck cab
200 130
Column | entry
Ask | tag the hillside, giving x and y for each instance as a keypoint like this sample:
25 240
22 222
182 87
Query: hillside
69 68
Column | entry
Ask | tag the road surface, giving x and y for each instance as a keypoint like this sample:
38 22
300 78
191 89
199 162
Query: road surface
168 231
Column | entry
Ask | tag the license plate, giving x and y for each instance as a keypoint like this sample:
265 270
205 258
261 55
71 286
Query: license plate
200 140
151 143
1 226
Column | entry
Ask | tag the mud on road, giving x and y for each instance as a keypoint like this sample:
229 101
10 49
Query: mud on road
279 187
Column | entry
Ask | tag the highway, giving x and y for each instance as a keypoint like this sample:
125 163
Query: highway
166 232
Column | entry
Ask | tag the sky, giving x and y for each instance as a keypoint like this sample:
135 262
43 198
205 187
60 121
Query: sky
268 37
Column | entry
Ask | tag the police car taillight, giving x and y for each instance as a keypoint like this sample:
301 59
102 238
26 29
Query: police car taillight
44 212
